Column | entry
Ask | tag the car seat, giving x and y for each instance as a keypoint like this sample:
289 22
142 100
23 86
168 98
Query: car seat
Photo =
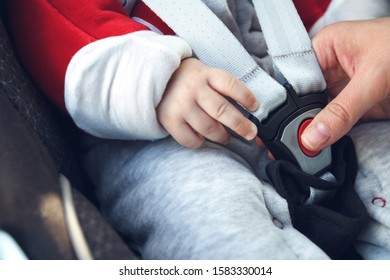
46 202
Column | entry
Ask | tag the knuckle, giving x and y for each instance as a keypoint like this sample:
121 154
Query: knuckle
231 82
340 112
211 129
221 110
239 126
217 133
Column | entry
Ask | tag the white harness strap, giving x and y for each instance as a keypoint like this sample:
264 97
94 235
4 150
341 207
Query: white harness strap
211 41
289 45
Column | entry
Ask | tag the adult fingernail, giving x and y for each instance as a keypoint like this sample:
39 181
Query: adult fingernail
315 136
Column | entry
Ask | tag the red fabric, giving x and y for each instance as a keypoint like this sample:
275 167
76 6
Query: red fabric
144 12
311 10
46 38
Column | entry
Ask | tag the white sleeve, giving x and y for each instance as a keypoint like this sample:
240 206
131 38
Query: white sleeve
113 85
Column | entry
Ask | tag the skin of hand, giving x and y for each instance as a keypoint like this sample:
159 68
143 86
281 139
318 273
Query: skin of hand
355 59
194 107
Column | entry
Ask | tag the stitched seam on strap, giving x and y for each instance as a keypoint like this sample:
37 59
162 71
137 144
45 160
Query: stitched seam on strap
292 54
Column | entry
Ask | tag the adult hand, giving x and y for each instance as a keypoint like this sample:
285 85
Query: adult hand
355 59
194 106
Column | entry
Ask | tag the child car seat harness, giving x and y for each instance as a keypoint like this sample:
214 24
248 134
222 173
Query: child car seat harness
317 186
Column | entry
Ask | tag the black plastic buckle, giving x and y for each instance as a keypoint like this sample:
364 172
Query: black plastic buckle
280 131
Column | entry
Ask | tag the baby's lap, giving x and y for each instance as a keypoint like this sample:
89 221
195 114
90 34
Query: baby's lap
372 145
172 179
166 155
164 164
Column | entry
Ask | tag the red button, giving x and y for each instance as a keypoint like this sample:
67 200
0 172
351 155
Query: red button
307 152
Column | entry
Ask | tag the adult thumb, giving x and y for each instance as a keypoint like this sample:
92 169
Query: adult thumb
337 118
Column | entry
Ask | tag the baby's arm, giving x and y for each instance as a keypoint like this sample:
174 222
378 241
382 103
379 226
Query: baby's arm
47 34
105 69
109 73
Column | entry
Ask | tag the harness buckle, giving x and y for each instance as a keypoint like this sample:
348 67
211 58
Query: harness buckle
281 131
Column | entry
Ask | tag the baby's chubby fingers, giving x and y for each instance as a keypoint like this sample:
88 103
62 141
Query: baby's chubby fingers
222 110
194 106
228 85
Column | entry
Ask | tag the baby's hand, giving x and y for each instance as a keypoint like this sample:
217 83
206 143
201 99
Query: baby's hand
193 106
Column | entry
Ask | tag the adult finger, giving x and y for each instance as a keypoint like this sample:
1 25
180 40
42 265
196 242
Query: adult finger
339 116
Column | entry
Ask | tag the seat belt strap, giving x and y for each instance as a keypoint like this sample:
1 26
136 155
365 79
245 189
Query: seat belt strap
289 45
335 221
